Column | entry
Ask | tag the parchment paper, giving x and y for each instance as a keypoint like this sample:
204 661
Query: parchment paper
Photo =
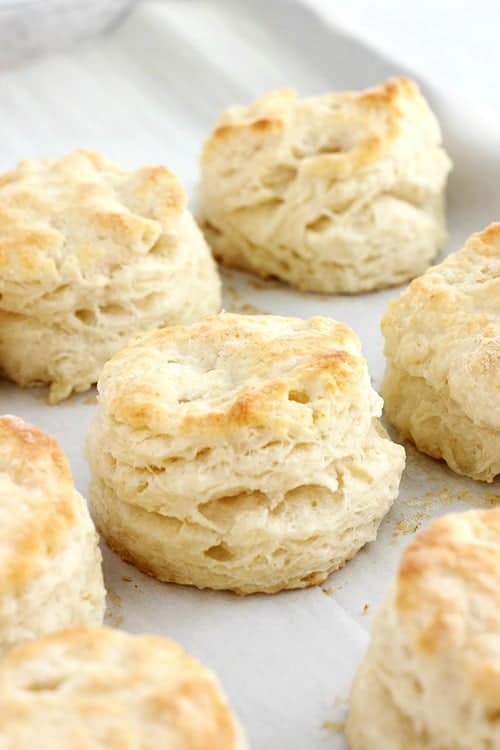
149 93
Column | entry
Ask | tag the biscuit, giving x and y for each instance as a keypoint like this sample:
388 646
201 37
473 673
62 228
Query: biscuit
241 453
431 677
50 563
442 344
103 689
91 253
342 192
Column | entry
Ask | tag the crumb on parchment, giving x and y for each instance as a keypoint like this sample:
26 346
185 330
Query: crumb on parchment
114 615
235 303
328 590
336 727
114 598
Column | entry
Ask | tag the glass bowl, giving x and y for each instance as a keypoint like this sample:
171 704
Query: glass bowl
32 27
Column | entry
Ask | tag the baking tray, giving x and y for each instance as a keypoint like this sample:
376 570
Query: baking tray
149 93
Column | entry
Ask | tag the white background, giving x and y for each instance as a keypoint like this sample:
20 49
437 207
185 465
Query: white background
452 42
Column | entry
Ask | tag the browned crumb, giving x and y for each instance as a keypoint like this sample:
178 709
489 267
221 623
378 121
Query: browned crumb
365 609
127 579
446 495
328 590
407 526
234 302
491 499
115 619
336 727
114 616
441 495
114 598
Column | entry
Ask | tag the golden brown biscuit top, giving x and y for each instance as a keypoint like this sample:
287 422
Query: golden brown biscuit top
473 271
93 687
36 502
81 214
233 371
336 133
448 596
